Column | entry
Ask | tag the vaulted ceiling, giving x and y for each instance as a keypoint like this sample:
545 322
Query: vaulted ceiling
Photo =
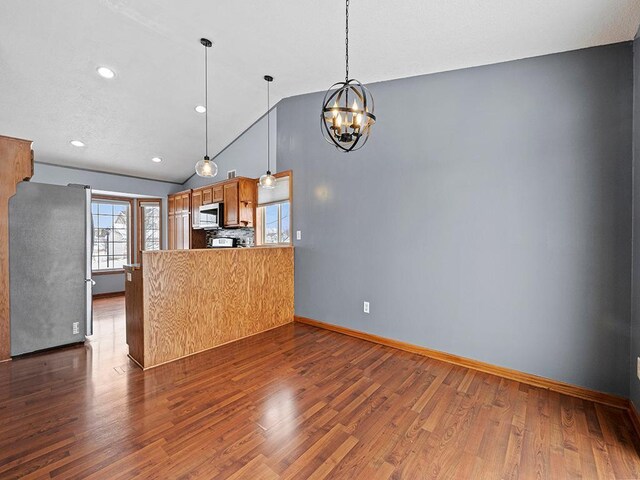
49 52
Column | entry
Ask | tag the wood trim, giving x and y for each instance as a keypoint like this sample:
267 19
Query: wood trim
98 273
136 362
98 196
16 165
527 378
635 416
134 314
98 296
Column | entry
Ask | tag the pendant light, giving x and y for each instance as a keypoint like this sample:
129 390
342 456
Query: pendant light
206 167
267 180
347 109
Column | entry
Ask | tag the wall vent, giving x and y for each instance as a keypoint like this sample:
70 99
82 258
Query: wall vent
231 174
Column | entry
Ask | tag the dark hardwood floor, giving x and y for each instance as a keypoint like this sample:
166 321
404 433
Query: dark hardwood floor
295 402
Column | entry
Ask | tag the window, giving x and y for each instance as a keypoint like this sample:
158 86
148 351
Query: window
149 227
273 226
110 234
275 218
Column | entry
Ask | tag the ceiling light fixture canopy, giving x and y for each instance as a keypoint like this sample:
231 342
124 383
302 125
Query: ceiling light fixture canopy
347 109
206 167
77 143
267 180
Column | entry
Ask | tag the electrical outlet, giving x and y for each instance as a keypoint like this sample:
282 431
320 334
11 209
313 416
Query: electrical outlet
298 235
365 308
76 328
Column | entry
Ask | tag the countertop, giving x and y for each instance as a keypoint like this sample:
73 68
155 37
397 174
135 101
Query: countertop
221 249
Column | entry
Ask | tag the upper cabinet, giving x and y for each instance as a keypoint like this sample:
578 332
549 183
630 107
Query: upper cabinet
196 203
216 194
207 195
231 207
179 226
239 198
210 194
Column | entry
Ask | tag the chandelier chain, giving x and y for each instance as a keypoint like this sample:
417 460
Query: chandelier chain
268 130
346 42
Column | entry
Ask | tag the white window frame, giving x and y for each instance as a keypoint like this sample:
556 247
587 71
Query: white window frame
113 201
263 220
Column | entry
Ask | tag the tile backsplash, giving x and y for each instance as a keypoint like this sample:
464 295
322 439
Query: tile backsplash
245 236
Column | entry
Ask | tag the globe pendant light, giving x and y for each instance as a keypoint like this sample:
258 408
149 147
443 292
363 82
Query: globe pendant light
347 109
206 167
267 180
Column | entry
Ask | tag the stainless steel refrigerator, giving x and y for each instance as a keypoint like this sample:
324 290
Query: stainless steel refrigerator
50 235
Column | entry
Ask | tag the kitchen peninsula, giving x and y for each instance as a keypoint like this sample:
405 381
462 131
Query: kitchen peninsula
181 302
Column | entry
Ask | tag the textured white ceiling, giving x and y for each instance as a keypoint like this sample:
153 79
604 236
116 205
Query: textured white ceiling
49 50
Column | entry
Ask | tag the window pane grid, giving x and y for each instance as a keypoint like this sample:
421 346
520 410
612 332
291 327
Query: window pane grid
150 227
275 223
110 235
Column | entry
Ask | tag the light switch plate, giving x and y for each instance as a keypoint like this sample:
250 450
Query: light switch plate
638 368
128 276
365 307
298 235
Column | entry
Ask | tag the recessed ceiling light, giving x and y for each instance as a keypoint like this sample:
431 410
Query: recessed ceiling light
77 143
201 109
105 72
156 159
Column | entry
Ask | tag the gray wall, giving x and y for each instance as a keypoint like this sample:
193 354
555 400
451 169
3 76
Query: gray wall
634 387
247 154
56 175
487 217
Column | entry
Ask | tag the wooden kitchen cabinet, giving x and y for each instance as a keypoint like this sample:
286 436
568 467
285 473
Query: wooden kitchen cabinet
210 194
16 165
182 207
207 195
196 202
239 198
231 205
179 224
217 194
171 232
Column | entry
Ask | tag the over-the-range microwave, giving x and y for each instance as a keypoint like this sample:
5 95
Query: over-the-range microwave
210 216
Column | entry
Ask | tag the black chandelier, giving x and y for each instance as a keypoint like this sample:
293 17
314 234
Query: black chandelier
347 109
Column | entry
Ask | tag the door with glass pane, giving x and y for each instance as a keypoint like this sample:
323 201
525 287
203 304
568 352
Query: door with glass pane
149 225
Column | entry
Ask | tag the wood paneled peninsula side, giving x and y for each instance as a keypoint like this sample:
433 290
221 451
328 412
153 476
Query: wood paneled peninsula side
181 302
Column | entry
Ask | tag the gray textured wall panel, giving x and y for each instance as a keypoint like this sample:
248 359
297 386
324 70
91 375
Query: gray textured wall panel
488 216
